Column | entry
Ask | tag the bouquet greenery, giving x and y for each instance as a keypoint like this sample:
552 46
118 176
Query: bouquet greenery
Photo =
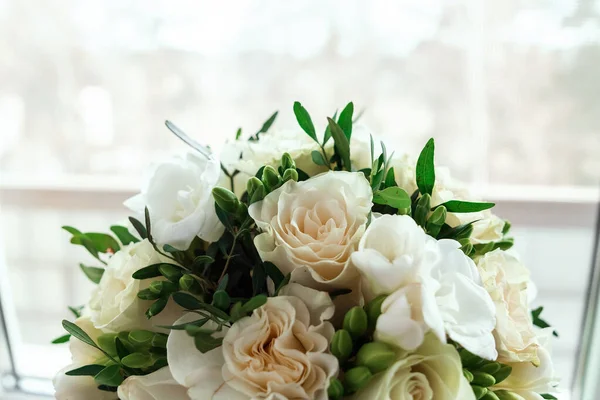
306 266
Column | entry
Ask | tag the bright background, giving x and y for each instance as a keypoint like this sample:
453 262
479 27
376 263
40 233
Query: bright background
507 87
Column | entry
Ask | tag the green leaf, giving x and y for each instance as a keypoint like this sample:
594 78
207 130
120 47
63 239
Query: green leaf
121 347
549 396
148 222
187 301
393 196
390 178
266 125
94 274
318 158
107 343
259 281
157 307
138 360
139 227
141 338
539 322
151 271
205 342
104 243
86 370
238 134
62 339
425 169
110 376
342 145
71 230
304 121
78 333
458 206
274 273
76 311
345 120
458 232
254 303
123 234
327 134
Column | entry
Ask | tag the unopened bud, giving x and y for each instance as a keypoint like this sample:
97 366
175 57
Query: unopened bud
147 294
436 220
341 345
252 185
287 161
357 378
290 175
479 391
490 396
270 178
221 300
422 209
159 340
163 287
469 359
141 338
502 373
258 194
376 356
490 368
226 199
468 375
157 307
335 391
373 309
189 284
506 395
356 322
483 379
170 272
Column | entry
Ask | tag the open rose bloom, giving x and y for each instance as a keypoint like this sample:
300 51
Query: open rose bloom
306 264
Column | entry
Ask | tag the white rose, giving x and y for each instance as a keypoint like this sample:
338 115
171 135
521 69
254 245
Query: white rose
432 286
310 228
506 279
249 156
178 194
433 371
529 381
487 226
158 385
114 305
279 352
81 387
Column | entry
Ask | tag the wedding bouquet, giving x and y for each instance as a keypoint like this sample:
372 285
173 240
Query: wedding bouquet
306 266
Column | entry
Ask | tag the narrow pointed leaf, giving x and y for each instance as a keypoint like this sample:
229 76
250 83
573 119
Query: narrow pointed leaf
425 168
123 234
345 120
86 370
458 206
94 274
303 118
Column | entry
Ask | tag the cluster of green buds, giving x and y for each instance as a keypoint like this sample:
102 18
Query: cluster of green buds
269 179
141 350
359 356
483 374
228 202
431 221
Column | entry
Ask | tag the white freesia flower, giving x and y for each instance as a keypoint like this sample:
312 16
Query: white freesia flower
114 305
249 156
178 194
310 228
431 284
487 226
506 280
279 352
158 385
529 381
81 387
433 371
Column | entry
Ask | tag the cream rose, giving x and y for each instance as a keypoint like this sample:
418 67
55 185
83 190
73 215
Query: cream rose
433 371
506 279
310 228
249 156
178 194
279 352
158 385
81 387
432 285
114 305
487 226
529 381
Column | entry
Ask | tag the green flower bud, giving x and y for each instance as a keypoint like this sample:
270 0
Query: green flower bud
163 287
506 395
468 375
466 233
221 300
335 391
159 340
287 161
436 220
490 396
376 356
270 177
506 227
467 248
404 211
502 373
189 284
226 199
356 322
357 378
258 194
479 391
170 272
147 294
242 211
469 359
422 209
107 343
483 379
141 338
157 307
373 310
341 345
252 185
290 174
490 368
